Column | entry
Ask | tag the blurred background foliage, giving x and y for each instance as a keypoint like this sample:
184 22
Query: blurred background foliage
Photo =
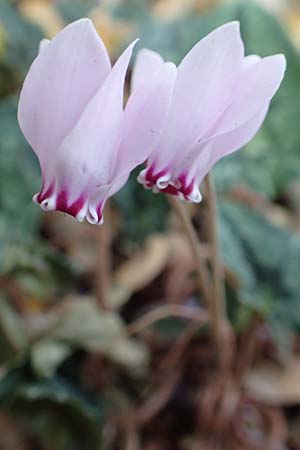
67 366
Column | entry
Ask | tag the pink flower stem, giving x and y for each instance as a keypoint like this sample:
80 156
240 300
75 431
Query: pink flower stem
222 327
163 312
212 289
103 268
203 275
213 235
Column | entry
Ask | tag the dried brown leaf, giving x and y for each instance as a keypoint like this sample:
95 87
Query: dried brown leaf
274 385
145 265
178 283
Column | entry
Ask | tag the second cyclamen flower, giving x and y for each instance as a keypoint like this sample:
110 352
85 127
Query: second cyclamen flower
220 100
71 113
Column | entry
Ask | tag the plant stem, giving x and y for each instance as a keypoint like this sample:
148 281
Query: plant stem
223 330
213 291
103 269
204 282
184 312
217 266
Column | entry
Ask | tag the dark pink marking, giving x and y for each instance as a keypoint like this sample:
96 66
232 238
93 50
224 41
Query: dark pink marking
44 195
151 177
185 189
77 206
62 202
74 208
149 174
182 180
170 190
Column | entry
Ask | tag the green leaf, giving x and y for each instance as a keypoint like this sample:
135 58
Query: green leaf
46 355
265 259
12 329
132 202
42 272
19 178
85 326
53 411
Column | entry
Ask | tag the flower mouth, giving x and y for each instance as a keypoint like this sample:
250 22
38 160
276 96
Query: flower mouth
81 208
163 182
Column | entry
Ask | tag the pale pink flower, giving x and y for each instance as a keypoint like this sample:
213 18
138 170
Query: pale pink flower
71 113
220 100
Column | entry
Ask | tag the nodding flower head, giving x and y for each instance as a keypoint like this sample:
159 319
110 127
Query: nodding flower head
71 112
220 100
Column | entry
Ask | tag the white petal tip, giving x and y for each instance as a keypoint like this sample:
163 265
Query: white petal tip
35 199
141 178
80 217
163 181
49 204
94 216
195 196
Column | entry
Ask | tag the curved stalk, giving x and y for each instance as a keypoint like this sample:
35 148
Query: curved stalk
212 288
103 268
203 275
218 289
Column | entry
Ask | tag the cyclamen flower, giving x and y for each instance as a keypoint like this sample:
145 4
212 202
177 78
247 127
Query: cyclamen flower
71 113
220 100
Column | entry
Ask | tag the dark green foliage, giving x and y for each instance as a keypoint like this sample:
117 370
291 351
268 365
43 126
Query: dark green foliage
41 271
142 212
266 259
19 177
54 411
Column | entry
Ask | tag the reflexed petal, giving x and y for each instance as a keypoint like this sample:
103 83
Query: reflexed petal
205 86
145 116
214 149
82 167
96 137
146 64
186 177
258 85
206 153
259 81
220 101
60 83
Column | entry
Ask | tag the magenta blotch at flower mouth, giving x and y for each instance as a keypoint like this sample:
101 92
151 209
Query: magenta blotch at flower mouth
161 182
80 209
